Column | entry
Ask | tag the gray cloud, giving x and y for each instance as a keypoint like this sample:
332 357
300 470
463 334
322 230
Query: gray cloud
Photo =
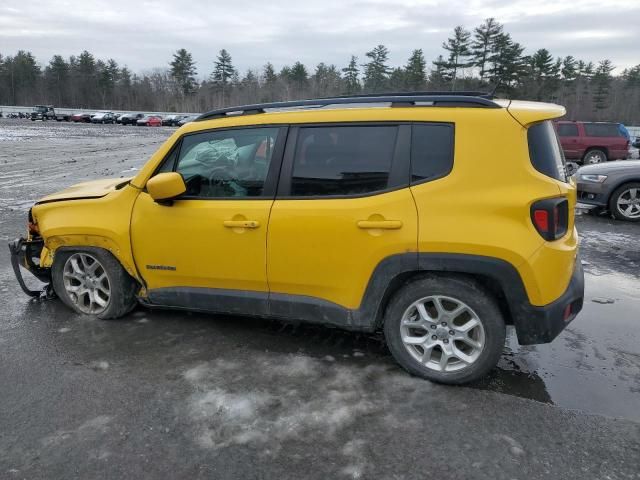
144 34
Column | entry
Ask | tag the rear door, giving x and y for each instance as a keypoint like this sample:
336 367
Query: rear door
343 205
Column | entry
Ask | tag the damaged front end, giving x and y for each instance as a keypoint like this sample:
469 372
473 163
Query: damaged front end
27 253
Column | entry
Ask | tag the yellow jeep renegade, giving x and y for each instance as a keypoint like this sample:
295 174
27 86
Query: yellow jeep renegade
436 218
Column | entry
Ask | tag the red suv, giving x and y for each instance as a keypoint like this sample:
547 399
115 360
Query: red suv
592 142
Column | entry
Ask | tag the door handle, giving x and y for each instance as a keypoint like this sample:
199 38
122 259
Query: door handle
380 224
241 223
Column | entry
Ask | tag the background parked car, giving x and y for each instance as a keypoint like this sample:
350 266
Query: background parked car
130 118
172 120
80 118
613 186
103 117
150 121
187 119
592 142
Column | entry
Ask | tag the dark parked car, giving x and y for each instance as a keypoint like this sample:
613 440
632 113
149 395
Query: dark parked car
592 142
187 119
613 186
47 112
172 120
130 118
103 117
80 118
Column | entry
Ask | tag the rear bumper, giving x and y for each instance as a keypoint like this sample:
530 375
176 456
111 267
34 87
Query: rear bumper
535 325
23 253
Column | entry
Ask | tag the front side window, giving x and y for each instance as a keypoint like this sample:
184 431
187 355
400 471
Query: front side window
567 130
343 160
228 163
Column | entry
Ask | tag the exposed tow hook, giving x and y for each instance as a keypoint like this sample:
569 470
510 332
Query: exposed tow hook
21 255
47 293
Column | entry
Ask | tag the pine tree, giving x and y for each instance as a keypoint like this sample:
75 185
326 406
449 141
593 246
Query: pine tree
223 73
351 72
602 84
507 65
543 74
183 71
458 47
376 72
57 78
569 69
415 75
484 38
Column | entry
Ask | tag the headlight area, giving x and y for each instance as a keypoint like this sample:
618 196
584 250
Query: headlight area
592 178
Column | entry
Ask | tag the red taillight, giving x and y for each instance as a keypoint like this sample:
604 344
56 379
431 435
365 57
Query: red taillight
551 217
541 220
567 312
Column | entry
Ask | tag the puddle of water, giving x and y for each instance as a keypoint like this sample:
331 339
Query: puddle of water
593 366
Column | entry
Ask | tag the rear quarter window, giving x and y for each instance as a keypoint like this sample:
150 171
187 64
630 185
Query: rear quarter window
431 151
602 130
545 152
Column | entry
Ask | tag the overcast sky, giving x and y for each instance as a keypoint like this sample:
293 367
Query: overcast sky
144 34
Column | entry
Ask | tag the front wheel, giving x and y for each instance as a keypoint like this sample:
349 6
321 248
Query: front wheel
92 282
624 203
445 329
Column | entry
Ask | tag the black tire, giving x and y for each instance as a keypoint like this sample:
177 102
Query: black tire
123 288
613 202
593 156
462 289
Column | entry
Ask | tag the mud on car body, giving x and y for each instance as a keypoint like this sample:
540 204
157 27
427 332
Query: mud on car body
436 218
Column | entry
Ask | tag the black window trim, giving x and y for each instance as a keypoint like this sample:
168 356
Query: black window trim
452 125
399 175
273 174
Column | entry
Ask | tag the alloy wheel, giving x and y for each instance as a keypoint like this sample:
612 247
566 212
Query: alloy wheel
86 283
628 203
442 333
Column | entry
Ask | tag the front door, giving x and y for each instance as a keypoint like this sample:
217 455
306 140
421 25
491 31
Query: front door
207 249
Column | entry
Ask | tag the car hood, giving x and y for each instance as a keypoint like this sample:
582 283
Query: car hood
92 189
609 167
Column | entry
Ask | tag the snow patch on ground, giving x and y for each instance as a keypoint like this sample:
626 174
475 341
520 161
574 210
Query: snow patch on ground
233 404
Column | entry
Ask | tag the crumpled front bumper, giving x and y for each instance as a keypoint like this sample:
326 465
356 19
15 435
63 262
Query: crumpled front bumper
23 253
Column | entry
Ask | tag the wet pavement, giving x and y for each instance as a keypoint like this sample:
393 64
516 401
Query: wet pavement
166 394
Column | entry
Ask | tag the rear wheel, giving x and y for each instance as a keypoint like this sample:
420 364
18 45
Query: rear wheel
594 156
624 203
92 282
445 329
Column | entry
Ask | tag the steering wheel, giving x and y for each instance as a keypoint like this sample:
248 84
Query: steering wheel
220 174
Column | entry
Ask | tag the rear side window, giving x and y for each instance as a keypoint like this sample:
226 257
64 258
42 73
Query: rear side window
343 160
545 152
567 130
431 152
602 130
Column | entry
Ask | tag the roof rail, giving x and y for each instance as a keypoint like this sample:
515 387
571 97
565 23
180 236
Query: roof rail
462 93
410 99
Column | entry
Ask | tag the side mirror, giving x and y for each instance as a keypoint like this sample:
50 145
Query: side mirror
166 186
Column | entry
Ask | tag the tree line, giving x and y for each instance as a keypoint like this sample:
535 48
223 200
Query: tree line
486 58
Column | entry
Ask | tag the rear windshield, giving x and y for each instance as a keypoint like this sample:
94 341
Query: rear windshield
545 152
602 130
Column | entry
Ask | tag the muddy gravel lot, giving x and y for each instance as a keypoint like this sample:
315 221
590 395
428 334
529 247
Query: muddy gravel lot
177 395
